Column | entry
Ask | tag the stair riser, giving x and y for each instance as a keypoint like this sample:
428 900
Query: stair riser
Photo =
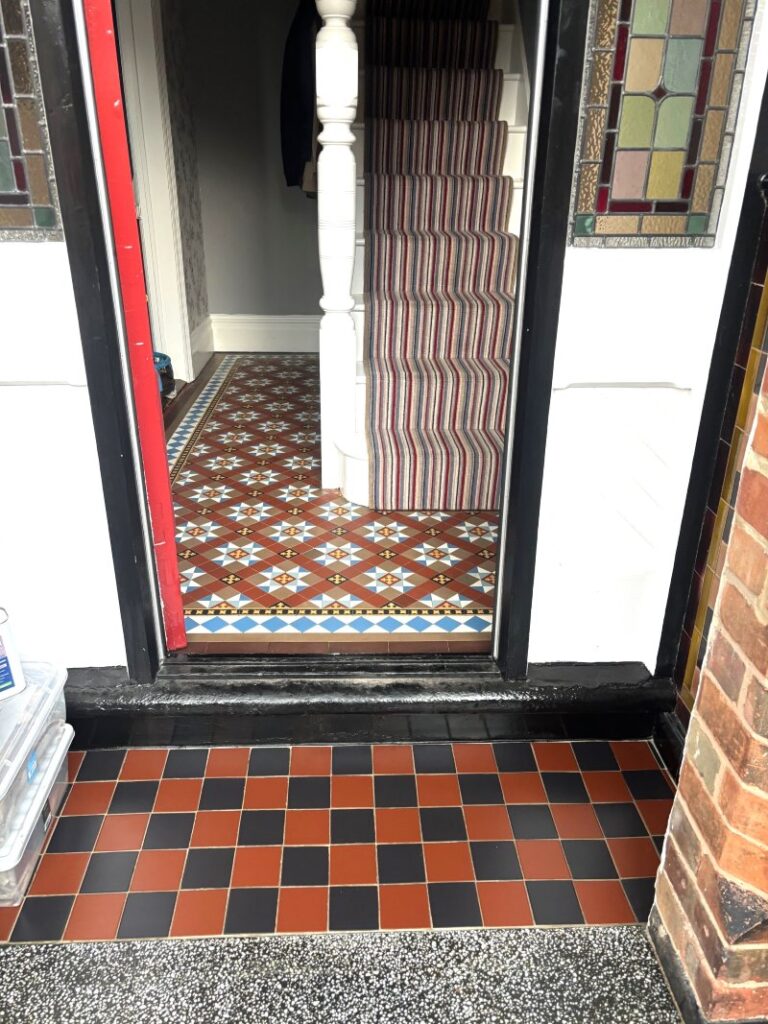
507 49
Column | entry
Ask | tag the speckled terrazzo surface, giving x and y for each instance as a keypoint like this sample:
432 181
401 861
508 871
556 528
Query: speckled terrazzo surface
520 976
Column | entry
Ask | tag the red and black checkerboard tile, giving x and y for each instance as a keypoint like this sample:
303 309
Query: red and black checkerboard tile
293 839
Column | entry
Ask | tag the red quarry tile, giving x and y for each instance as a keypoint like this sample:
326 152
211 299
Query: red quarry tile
89 798
504 904
121 832
200 912
474 757
522 788
633 755
215 828
604 903
393 759
448 862
74 760
398 825
143 764
655 814
487 822
158 870
438 790
634 858
555 757
256 866
310 761
8 917
353 864
576 821
607 787
59 874
307 828
351 791
302 910
95 916
265 793
178 795
404 906
227 762
542 859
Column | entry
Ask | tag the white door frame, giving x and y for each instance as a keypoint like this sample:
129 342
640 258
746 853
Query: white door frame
142 59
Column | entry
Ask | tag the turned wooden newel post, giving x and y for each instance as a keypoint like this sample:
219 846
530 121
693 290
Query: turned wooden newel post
336 75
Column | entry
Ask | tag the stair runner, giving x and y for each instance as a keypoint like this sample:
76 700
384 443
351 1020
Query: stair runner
440 263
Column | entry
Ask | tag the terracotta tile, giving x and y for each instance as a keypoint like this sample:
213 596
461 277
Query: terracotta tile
310 761
523 788
353 865
542 859
200 912
634 858
266 792
555 757
487 822
227 762
8 917
307 828
215 828
393 759
89 798
655 814
351 791
398 825
158 871
604 903
404 906
121 832
74 760
576 821
634 755
438 790
474 757
448 862
59 874
178 795
607 787
256 866
302 910
95 917
143 764
504 904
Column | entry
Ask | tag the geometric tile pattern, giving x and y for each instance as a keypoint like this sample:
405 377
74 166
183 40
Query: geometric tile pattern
198 841
264 552
662 88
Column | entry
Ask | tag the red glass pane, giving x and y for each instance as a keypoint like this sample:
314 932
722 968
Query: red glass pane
602 199
621 53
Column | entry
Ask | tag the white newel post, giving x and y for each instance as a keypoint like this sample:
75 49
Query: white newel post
336 85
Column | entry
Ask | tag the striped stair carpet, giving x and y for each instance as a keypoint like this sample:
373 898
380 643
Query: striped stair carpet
440 263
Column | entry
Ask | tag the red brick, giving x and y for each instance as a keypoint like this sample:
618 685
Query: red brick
752 502
741 622
748 560
747 754
745 809
725 665
760 439
756 707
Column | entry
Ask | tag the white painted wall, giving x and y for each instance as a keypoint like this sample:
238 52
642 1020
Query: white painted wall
634 347
56 572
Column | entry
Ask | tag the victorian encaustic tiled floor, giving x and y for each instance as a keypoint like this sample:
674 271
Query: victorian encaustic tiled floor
238 841
271 562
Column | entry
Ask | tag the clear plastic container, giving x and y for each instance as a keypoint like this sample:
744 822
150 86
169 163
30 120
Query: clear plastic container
22 839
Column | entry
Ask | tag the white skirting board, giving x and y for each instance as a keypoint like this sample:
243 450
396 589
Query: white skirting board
236 333
201 340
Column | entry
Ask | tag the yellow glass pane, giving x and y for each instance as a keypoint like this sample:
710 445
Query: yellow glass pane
644 65
664 175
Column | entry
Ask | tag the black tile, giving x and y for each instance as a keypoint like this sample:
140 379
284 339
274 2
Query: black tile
269 761
251 910
432 758
658 842
352 826
531 821
441 823
109 872
101 765
595 757
353 908
495 862
309 792
395 790
305 865
261 828
400 862
147 915
640 892
648 785
348 760
185 764
620 820
481 789
565 788
454 904
589 858
222 795
554 903
169 831
42 918
76 834
133 797
514 757
208 868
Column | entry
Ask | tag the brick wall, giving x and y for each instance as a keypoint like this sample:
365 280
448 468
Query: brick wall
712 889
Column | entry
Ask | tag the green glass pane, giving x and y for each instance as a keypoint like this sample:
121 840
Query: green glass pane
697 224
7 180
3 128
636 125
674 122
681 68
584 225
650 17
45 217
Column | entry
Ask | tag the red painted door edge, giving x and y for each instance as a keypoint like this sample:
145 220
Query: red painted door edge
105 71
